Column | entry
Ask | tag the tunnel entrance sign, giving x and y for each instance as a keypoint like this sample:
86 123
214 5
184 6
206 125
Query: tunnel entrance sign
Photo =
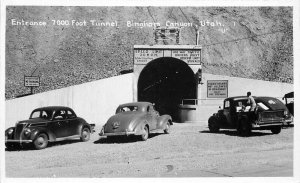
217 88
189 54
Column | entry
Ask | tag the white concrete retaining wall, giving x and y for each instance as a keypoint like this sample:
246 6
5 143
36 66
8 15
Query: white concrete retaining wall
97 101
94 101
240 87
237 87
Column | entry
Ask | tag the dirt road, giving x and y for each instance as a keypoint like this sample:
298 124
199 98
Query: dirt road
189 151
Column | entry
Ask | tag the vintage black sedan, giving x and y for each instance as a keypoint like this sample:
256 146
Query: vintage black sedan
137 118
48 124
270 114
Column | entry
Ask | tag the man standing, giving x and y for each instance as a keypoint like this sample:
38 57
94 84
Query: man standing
251 102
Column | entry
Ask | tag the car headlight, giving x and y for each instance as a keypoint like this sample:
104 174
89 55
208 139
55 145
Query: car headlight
10 131
27 132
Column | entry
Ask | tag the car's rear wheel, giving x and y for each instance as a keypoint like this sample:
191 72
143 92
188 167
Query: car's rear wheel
85 134
168 128
41 141
145 134
276 130
213 125
244 128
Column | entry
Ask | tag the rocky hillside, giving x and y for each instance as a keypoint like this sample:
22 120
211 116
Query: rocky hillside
237 41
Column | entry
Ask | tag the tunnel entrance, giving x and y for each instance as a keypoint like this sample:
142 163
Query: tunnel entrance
166 81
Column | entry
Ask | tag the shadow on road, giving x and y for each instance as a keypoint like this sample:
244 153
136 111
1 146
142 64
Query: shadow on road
235 133
29 147
123 139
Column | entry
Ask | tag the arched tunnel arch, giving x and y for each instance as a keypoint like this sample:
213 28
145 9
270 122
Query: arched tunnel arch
166 81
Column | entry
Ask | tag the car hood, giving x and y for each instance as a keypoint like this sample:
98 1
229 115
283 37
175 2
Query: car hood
35 120
122 121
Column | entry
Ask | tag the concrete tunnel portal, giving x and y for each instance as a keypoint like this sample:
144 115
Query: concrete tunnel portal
166 81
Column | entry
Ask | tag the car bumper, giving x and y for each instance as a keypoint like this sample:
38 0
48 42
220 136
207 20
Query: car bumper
263 125
17 141
126 133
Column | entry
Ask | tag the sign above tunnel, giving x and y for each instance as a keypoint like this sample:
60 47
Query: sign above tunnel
143 54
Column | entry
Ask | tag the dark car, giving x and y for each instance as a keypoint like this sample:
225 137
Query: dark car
48 124
138 118
270 114
289 101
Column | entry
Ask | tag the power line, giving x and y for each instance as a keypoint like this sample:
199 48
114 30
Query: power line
148 8
187 18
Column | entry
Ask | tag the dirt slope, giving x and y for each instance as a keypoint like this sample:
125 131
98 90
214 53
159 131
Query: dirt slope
237 41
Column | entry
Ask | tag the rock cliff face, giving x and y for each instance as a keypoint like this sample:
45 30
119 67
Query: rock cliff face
250 42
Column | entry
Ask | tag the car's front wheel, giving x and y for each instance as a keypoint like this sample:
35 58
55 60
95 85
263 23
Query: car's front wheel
145 134
85 134
41 141
276 130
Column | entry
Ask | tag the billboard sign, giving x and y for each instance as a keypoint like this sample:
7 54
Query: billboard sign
217 88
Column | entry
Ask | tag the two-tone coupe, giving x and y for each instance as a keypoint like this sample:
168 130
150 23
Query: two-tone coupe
138 118
48 124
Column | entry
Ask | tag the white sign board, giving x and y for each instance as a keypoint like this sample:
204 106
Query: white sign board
190 56
217 88
145 56
31 81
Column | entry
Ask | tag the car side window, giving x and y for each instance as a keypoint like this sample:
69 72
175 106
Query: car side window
60 114
36 114
226 104
70 114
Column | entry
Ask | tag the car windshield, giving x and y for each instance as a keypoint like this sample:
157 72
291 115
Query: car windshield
127 109
45 114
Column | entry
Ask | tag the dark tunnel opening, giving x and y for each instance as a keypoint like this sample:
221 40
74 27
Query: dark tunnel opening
165 82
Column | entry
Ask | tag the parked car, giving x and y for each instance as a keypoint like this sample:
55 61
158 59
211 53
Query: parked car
48 124
270 114
137 118
289 101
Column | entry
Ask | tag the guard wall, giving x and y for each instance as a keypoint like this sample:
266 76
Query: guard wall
94 101
97 101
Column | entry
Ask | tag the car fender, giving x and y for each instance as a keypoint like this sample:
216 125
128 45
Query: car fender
11 135
214 117
84 125
139 127
163 120
38 130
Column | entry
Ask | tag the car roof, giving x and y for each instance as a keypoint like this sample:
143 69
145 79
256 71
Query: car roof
245 98
289 95
138 104
264 99
237 98
54 108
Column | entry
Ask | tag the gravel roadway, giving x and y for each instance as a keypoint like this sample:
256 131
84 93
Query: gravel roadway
190 150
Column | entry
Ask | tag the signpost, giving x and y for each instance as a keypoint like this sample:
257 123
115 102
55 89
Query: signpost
31 81
217 88
166 34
